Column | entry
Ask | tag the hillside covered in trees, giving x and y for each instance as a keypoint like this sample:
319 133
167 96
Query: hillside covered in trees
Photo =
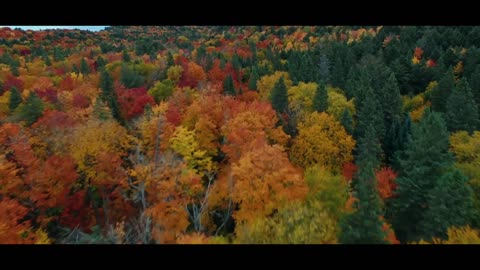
244 134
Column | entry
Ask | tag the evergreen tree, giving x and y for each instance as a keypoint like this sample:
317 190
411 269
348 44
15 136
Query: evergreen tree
364 226
32 109
324 69
279 96
130 78
15 99
420 166
450 204
228 87
474 83
338 75
14 69
252 82
392 115
109 96
100 63
441 93
347 121
462 112
75 69
101 111
125 56
320 100
367 114
84 68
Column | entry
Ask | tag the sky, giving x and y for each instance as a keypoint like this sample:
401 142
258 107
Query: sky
42 27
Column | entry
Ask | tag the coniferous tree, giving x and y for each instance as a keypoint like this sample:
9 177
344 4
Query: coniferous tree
279 96
320 100
462 112
252 82
109 96
338 75
474 83
364 226
441 93
367 114
15 99
392 115
125 56
424 161
228 86
450 204
32 109
84 68
324 69
347 121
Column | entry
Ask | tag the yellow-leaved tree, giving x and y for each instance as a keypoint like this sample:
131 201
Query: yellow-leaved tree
298 223
267 82
185 143
322 140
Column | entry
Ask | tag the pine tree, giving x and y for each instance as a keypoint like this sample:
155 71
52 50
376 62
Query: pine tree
367 114
364 226
441 93
100 63
279 96
392 115
450 204
228 87
32 109
125 56
420 166
474 83
338 75
109 96
75 69
14 69
15 99
324 69
347 121
320 100
130 78
252 82
84 68
101 111
462 112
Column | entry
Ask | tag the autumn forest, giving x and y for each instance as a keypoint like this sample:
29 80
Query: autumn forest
240 135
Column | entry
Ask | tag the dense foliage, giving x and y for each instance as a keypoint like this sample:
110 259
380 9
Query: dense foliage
245 134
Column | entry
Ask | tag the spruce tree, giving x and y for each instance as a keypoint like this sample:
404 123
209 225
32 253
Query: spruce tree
279 97
32 109
252 82
450 203
474 83
392 115
338 73
228 87
324 69
364 226
101 111
441 93
462 112
368 114
320 100
84 68
109 96
15 99
347 121
125 56
424 161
